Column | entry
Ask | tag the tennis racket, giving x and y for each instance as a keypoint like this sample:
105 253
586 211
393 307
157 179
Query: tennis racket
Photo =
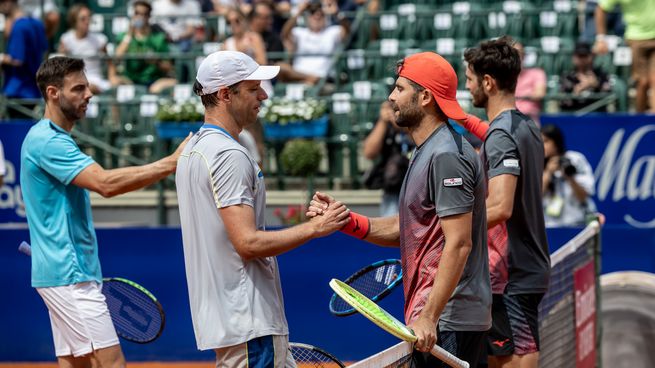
374 281
387 322
136 313
311 356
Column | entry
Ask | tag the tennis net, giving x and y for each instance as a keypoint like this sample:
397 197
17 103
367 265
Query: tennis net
557 312
397 356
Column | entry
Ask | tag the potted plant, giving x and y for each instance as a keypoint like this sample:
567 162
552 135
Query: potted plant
302 157
175 120
284 118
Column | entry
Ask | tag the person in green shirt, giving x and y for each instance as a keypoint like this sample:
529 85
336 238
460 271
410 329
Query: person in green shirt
640 35
142 39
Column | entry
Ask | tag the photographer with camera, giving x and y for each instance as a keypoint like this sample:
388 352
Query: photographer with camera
568 182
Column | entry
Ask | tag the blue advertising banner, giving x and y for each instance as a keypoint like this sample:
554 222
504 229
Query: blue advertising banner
12 208
621 150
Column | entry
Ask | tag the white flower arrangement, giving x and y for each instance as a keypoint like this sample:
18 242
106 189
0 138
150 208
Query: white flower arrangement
283 111
188 111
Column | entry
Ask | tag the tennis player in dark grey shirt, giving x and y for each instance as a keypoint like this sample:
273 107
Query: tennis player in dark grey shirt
513 157
441 227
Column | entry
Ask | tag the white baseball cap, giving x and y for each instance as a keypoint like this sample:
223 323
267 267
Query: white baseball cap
224 68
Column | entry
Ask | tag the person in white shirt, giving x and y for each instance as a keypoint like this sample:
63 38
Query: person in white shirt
79 42
568 182
313 45
179 19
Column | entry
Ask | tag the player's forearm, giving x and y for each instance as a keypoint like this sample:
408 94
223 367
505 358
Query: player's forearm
273 243
118 181
475 125
451 266
497 213
384 231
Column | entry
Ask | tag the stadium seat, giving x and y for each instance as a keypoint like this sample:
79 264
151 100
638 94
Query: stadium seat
108 6
555 54
384 54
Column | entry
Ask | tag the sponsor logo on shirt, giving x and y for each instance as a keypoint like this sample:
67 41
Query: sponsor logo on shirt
511 163
452 182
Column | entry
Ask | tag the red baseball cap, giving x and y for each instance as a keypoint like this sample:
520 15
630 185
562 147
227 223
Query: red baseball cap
434 73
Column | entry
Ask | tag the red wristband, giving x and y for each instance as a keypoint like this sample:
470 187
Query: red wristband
358 226
476 126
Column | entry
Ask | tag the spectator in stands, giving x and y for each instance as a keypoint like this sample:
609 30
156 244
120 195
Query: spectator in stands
568 182
314 45
243 39
530 88
640 35
614 21
36 8
141 39
222 7
582 81
179 18
392 145
79 42
25 49
261 21
246 41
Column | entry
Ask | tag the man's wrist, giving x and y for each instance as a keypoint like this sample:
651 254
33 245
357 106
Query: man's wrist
601 37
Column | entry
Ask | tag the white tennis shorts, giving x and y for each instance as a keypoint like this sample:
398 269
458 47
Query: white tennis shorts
79 318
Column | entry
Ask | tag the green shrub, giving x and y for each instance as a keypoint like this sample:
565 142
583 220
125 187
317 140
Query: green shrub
301 157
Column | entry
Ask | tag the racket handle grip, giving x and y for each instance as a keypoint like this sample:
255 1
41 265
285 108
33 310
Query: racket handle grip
25 248
448 358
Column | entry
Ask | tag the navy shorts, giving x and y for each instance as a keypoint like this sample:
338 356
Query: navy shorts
515 329
466 345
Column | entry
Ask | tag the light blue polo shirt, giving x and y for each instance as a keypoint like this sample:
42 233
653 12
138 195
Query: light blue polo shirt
64 245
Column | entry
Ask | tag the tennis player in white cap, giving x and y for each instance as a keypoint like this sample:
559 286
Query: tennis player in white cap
232 273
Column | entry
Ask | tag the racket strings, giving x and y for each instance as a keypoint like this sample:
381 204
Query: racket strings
371 283
135 315
311 357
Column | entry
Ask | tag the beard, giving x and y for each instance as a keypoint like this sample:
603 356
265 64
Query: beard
70 111
479 98
409 116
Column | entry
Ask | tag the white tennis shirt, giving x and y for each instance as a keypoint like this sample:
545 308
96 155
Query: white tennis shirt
232 300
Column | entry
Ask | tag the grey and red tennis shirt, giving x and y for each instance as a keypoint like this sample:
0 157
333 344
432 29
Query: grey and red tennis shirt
445 178
519 259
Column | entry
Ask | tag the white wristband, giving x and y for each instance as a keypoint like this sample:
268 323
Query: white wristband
601 37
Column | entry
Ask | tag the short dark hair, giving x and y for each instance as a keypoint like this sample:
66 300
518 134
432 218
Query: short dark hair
53 71
142 3
499 59
211 99
554 133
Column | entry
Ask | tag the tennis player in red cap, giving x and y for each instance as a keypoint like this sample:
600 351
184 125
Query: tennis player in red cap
441 228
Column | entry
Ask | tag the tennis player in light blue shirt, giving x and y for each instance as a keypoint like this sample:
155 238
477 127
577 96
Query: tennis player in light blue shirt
62 228
56 178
